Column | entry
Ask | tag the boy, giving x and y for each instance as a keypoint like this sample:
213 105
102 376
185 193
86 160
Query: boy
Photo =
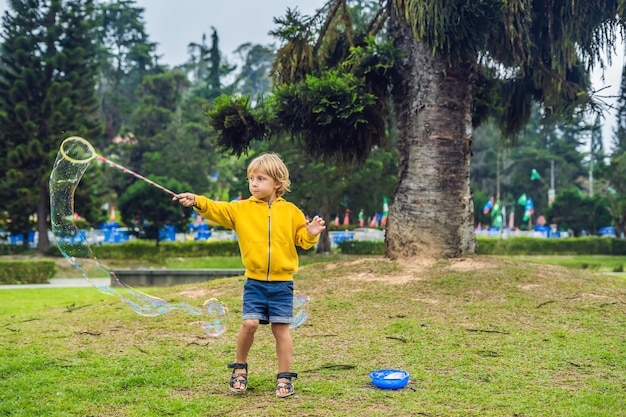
268 230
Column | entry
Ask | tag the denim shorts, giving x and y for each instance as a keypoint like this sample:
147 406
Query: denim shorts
268 301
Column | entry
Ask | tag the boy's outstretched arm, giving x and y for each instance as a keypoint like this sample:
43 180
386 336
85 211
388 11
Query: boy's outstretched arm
316 226
186 199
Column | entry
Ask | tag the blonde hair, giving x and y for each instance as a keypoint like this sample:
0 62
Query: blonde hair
272 165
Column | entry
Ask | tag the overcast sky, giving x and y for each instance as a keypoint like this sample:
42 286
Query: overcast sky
173 24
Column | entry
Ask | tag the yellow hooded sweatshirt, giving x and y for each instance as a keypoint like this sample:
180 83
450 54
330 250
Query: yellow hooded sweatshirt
267 233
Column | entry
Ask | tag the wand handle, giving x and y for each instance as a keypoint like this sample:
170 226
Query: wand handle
134 174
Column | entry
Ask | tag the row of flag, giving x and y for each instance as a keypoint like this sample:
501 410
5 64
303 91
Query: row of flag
498 213
378 219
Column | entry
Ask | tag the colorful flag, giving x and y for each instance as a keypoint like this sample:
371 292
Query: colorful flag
534 175
373 221
488 205
495 211
529 209
522 200
383 220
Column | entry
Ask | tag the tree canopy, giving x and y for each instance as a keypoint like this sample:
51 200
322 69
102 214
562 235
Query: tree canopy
450 67
47 81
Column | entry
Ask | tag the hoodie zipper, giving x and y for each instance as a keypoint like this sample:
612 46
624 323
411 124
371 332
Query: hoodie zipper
269 236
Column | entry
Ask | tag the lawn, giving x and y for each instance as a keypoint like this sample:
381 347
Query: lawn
597 263
482 336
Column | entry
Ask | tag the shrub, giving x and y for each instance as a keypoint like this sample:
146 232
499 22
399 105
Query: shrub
536 246
26 272
362 247
13 249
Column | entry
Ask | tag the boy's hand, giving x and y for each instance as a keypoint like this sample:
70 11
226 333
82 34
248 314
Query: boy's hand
316 226
186 199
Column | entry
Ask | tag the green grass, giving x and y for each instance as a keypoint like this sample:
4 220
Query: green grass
594 263
485 336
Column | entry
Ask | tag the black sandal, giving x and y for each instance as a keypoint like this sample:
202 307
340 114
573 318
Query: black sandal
238 377
285 385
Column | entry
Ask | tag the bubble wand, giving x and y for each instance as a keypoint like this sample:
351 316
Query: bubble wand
78 150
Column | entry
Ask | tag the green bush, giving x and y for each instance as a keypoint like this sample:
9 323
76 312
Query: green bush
362 247
26 272
13 249
148 250
536 246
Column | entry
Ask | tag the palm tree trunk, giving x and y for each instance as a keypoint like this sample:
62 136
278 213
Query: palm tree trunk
432 214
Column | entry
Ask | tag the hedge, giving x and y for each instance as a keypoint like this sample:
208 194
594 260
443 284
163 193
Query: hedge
147 250
362 247
515 246
26 272
565 246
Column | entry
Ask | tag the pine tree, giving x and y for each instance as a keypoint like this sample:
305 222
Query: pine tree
47 80
125 57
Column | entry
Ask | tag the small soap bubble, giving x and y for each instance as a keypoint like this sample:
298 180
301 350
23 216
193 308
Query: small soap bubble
301 309
217 321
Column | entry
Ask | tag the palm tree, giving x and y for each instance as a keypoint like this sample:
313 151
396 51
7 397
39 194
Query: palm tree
525 51
459 62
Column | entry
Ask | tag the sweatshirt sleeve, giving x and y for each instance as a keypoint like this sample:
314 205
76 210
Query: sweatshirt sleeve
220 212
303 238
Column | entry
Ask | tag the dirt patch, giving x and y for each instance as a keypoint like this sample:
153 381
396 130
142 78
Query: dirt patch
469 263
528 287
200 293
386 278
408 270
386 270
426 300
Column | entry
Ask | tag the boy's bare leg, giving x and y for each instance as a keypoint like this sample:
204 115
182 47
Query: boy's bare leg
284 350
244 343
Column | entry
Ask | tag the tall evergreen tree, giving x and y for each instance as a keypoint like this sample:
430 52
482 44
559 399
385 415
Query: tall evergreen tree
166 142
125 56
552 149
47 79
254 76
209 68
